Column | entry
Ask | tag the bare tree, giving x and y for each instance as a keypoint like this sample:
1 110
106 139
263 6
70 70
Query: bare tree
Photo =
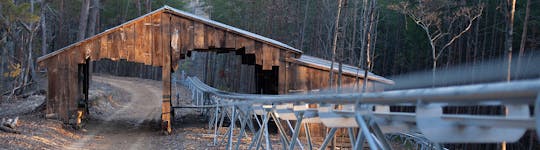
148 6
94 15
524 34
302 34
370 44
44 46
334 44
438 22
508 46
509 36
139 7
83 20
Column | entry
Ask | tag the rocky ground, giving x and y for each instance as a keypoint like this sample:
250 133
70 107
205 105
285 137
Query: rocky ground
124 114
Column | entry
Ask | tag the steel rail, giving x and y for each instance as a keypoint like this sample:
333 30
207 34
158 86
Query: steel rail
517 92
426 100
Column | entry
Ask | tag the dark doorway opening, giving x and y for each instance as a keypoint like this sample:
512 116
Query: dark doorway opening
267 80
84 85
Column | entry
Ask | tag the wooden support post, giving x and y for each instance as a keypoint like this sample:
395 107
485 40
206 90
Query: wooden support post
165 105
166 75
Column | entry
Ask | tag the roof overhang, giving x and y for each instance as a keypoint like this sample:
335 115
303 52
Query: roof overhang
180 13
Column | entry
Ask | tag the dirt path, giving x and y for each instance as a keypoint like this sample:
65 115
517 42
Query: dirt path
145 98
133 122
124 114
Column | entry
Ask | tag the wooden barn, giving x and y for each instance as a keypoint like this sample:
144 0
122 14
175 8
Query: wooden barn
225 57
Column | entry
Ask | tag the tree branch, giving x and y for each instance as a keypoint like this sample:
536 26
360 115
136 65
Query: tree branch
460 34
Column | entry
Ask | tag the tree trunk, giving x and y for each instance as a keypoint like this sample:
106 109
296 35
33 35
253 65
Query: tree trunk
61 39
43 28
334 45
83 20
139 8
523 35
352 43
2 63
148 6
508 47
362 38
30 71
369 44
509 38
94 13
304 25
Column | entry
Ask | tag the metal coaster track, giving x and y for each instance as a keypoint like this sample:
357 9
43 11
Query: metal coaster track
370 113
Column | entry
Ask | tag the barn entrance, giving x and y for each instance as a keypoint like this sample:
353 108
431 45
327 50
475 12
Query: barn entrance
267 80
137 99
232 70
160 39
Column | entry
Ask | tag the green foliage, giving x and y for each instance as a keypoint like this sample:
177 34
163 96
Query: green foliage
14 71
178 4
119 11
11 13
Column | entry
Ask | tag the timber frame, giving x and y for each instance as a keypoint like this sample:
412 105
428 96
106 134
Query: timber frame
160 38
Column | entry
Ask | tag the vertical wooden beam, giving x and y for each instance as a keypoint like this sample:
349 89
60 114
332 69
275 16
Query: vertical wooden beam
52 93
64 86
230 39
95 49
103 51
147 41
139 41
199 36
74 92
301 78
266 57
120 43
248 44
176 45
86 50
186 34
258 53
157 46
130 42
276 54
209 36
282 77
166 74
218 38
112 45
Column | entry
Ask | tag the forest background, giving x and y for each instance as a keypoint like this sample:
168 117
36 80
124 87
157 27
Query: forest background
387 37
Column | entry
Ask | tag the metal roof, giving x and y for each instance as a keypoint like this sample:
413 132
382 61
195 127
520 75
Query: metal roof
230 28
347 69
188 16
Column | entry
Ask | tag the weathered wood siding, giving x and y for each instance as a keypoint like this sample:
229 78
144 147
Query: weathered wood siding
158 39
231 59
306 79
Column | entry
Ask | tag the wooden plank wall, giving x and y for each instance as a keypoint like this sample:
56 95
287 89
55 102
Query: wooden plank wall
302 78
161 40
204 37
64 89
224 71
152 40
